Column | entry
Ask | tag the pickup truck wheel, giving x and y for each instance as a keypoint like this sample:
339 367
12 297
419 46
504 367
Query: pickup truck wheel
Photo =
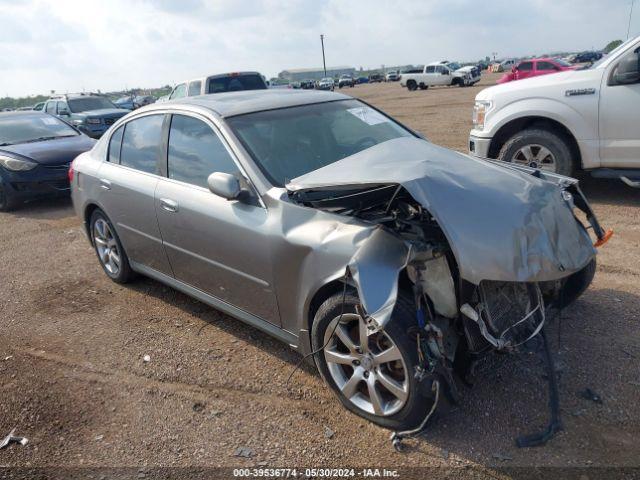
372 375
424 87
412 85
538 148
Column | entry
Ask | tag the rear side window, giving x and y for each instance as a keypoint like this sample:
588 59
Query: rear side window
141 143
525 66
430 69
236 83
114 146
50 108
196 151
194 88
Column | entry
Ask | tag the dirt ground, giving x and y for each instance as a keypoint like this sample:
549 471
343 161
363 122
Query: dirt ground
74 381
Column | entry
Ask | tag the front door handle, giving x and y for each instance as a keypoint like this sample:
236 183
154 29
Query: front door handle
169 205
105 184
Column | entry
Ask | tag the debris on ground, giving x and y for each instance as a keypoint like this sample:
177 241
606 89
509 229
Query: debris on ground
328 433
244 452
579 412
98 438
9 357
444 453
146 358
198 407
503 457
11 438
589 394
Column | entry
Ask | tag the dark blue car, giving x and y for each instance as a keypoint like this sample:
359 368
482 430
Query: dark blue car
35 152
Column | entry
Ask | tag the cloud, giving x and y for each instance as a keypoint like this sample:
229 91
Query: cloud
68 45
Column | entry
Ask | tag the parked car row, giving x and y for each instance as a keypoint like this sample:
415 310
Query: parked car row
441 73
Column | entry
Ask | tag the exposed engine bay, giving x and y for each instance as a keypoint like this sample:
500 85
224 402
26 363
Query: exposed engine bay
457 321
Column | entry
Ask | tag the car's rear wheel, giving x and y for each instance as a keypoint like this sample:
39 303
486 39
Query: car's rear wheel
538 148
7 203
111 254
371 374
424 87
412 85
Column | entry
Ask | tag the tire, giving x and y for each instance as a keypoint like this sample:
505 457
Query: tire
7 203
419 399
576 285
424 87
412 85
535 138
110 242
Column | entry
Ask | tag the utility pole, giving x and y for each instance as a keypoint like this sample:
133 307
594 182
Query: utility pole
324 64
629 25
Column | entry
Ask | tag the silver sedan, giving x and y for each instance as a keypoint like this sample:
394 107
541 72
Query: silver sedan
327 224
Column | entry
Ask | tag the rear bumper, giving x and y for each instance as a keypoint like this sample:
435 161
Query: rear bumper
43 181
479 146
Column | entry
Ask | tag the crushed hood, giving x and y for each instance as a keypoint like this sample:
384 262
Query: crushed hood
502 224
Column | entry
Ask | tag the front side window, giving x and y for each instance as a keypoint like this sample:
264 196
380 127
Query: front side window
546 66
430 69
194 88
179 92
115 142
141 143
627 71
63 108
525 67
196 151
290 142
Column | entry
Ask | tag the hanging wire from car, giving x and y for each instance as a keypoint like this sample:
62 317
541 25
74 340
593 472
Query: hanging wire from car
320 349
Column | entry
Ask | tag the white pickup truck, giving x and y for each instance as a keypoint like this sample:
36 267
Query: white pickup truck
441 73
575 120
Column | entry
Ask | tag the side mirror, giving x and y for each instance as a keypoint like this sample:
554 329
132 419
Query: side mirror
626 78
514 69
226 186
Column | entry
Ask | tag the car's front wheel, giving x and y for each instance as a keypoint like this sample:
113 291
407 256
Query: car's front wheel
373 375
111 254
412 85
7 203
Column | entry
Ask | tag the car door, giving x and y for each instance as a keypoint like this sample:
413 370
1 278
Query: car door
523 70
215 245
50 108
619 106
128 180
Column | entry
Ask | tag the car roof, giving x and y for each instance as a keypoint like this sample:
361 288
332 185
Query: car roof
229 104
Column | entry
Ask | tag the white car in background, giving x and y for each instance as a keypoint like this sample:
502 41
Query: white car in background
441 73
569 121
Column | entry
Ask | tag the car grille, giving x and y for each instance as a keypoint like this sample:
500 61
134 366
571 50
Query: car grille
109 121
57 168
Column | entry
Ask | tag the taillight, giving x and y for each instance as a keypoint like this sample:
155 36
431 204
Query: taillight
71 173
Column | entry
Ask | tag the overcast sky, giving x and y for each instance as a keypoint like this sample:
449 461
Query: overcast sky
70 45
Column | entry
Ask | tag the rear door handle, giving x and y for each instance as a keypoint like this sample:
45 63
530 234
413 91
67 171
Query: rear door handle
169 205
105 184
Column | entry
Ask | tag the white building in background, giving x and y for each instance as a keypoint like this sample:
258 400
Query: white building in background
298 74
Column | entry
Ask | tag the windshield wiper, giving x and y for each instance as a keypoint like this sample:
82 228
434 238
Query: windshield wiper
5 144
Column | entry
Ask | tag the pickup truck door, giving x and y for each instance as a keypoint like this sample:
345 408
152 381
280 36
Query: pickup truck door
523 70
619 106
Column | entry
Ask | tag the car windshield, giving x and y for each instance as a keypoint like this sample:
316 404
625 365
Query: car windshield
290 142
327 79
30 128
453 65
85 104
235 83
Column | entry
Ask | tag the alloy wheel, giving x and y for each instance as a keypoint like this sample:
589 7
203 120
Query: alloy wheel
535 156
106 246
369 370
